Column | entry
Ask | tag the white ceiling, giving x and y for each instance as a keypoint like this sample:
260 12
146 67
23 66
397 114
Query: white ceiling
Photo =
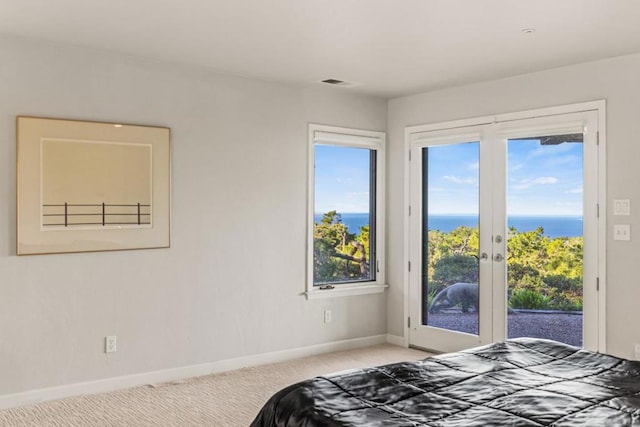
389 47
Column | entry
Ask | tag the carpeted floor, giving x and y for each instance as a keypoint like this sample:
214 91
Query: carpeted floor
227 399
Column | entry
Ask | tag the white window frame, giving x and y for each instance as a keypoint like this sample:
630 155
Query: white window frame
357 138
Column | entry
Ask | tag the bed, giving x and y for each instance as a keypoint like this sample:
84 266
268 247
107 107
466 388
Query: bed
519 382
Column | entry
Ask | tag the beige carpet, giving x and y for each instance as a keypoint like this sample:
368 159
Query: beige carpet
227 399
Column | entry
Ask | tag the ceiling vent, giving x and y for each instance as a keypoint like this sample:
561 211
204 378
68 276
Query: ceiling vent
336 82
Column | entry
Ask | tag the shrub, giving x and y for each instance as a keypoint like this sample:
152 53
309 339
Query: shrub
563 283
529 299
430 295
567 303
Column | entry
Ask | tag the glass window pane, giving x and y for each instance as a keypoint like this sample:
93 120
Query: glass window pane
344 215
545 239
450 237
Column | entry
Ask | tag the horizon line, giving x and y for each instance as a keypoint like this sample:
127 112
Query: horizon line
469 214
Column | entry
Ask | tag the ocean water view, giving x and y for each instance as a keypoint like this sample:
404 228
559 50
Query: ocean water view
553 226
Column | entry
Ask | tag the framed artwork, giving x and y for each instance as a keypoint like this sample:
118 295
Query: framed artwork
91 186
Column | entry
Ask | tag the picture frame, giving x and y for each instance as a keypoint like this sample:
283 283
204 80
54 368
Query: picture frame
84 186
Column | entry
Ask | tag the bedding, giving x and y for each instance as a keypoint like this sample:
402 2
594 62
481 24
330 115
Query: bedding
519 382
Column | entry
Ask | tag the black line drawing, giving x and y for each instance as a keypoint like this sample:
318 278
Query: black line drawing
82 214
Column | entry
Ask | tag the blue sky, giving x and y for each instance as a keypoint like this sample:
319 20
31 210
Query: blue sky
341 179
542 180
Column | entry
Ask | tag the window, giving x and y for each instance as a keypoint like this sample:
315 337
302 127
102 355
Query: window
346 211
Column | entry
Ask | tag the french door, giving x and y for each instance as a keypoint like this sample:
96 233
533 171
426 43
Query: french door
504 231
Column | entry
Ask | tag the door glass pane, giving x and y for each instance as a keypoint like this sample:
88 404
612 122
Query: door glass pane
450 236
545 237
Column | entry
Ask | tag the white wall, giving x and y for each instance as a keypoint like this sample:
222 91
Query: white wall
230 284
615 80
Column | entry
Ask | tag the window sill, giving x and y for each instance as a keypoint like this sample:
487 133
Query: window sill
345 290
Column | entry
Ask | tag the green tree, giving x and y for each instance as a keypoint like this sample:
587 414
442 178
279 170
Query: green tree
452 257
338 254
455 268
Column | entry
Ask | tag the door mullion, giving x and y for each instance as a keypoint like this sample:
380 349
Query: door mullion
497 150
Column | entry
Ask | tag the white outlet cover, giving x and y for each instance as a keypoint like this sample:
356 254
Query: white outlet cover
622 207
621 232
110 344
327 316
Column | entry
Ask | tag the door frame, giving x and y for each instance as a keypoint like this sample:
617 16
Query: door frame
599 107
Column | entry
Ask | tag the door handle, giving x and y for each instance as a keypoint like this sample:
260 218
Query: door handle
484 256
498 257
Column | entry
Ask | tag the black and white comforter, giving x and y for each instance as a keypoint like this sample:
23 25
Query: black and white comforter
520 382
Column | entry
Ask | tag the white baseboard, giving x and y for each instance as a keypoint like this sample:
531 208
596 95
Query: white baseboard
396 340
295 353
32 397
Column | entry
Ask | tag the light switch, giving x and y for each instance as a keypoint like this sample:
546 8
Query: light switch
621 232
622 207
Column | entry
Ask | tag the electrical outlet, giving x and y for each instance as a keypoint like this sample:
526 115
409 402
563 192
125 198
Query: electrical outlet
621 232
327 316
110 344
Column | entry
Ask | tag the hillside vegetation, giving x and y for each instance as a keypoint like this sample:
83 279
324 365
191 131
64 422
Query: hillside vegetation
543 272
